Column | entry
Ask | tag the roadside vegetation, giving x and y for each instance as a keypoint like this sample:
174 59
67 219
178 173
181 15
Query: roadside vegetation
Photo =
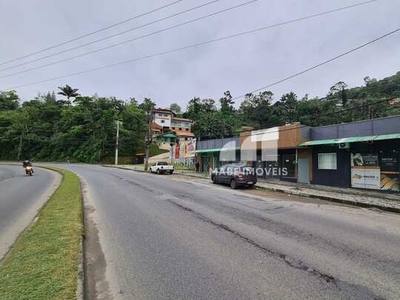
44 261
79 128
155 150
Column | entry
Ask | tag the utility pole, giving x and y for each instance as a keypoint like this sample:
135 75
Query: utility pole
20 147
149 140
116 144
19 154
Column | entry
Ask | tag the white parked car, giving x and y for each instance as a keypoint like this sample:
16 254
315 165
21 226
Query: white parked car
162 167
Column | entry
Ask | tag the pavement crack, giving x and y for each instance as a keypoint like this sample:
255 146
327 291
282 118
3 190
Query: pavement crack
297 264
361 291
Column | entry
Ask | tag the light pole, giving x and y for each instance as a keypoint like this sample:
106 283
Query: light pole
116 144
149 139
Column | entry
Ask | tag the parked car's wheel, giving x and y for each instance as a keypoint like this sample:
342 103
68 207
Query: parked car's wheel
214 179
171 172
251 186
158 171
233 184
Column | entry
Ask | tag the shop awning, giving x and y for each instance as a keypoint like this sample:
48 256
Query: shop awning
168 135
354 139
214 150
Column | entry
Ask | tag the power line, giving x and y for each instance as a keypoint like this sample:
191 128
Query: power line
111 36
322 63
330 114
93 32
130 40
193 46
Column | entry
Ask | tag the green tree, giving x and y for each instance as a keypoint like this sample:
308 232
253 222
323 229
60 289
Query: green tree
147 106
256 110
289 102
9 100
339 91
175 108
68 92
227 103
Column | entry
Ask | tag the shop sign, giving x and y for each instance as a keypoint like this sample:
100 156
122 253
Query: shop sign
367 174
366 178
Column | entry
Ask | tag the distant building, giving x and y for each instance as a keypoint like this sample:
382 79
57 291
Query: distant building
173 134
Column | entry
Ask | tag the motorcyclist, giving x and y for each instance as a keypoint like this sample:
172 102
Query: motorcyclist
27 163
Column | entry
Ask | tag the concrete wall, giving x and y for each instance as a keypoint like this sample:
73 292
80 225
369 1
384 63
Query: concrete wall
362 128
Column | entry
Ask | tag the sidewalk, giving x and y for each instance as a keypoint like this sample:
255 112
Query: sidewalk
363 198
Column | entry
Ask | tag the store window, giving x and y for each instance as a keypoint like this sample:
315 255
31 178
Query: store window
327 161
390 170
289 166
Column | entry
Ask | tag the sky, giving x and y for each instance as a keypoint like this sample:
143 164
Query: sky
240 65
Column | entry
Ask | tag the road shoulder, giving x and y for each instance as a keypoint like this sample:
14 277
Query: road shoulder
20 224
44 263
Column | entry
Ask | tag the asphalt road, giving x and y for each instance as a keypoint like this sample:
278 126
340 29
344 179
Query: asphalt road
21 197
162 238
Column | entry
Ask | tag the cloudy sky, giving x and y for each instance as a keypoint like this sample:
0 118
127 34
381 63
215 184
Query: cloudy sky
240 65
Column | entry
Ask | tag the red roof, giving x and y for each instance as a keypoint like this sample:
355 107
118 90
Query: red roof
154 125
183 133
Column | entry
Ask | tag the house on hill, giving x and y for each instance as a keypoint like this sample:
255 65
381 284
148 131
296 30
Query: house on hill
173 134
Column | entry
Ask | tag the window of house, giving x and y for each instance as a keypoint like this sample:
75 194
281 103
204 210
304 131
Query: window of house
180 128
186 138
327 161
187 129
173 128
162 121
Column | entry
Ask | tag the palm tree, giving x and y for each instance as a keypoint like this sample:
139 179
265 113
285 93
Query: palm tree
68 92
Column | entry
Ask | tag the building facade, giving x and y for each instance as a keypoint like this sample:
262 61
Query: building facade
173 134
363 155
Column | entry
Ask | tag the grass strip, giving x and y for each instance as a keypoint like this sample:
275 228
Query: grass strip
44 261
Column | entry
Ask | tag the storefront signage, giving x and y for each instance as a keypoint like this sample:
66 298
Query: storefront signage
389 163
366 178
368 173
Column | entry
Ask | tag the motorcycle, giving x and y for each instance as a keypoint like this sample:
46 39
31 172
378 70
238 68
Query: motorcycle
28 170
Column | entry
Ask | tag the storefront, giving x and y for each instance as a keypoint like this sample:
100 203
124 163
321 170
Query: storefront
211 154
376 165
365 162
276 150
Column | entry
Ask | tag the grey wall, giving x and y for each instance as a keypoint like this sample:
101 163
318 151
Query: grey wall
305 132
361 128
216 144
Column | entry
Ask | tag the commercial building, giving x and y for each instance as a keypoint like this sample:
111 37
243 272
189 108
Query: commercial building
361 154
364 154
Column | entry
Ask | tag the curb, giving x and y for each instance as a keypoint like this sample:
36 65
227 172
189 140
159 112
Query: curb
81 276
332 199
81 285
302 194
